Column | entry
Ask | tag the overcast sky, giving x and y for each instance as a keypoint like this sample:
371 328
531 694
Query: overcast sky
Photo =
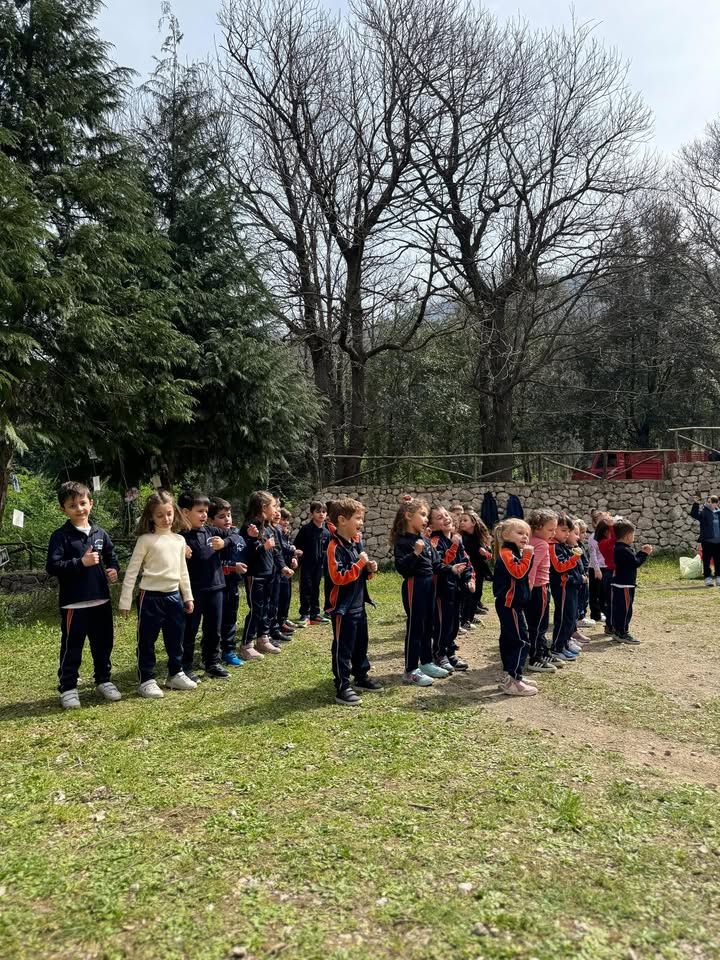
672 46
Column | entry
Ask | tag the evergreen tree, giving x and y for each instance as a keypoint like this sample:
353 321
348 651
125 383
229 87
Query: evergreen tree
98 314
253 403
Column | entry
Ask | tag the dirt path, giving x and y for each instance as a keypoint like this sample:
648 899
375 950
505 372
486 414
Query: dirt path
679 657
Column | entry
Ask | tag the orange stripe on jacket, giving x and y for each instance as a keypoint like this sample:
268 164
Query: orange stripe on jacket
450 553
561 566
349 576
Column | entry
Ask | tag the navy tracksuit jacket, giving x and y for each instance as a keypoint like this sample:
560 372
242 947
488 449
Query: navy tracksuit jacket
346 594
512 593
418 595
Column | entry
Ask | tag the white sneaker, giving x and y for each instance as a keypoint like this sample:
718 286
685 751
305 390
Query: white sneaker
709 582
180 681
717 581
109 691
506 679
70 700
603 618
417 677
586 622
433 670
150 690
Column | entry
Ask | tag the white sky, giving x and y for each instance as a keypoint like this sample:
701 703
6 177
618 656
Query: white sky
672 46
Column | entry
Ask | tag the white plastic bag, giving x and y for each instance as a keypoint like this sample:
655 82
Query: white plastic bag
691 568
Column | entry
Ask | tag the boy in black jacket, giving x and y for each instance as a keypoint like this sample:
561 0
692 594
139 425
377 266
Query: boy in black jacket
204 563
347 570
622 587
83 559
312 539
232 558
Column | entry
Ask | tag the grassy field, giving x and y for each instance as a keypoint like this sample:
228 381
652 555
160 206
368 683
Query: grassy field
256 818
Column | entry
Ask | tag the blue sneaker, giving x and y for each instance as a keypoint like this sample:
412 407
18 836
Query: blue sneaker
563 655
232 659
570 654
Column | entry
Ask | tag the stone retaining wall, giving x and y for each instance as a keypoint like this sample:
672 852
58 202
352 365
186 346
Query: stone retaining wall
26 581
659 508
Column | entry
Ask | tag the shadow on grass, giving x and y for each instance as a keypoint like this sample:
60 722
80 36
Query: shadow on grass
300 700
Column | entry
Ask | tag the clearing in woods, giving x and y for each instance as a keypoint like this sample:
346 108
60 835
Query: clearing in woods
259 819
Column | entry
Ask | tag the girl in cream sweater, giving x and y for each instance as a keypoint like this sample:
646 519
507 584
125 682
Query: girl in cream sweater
165 597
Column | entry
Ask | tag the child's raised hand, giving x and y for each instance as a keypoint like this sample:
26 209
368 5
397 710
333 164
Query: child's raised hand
372 566
287 572
577 551
217 543
294 563
90 558
598 574
585 579
485 553
458 568
298 553
269 544
112 574
364 557
528 548
647 549
241 567
457 539
188 553
189 607
419 546
253 531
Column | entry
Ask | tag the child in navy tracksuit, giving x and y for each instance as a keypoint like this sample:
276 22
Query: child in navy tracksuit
259 536
165 600
514 557
565 582
347 570
312 540
448 590
291 557
82 557
624 580
232 558
205 566
282 573
417 561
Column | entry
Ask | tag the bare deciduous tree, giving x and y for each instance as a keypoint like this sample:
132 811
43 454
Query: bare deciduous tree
324 130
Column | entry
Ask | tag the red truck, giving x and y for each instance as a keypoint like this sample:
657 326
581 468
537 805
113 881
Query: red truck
633 464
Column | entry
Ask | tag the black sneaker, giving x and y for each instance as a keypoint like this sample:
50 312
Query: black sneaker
277 637
367 683
216 671
458 663
192 676
348 698
626 638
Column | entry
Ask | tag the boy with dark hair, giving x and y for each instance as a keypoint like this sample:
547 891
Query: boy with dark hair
205 566
708 516
82 557
312 539
347 570
565 581
232 558
622 588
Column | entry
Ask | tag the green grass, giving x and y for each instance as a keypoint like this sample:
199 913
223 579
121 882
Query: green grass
260 815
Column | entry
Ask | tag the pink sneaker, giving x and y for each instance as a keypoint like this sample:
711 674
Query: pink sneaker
580 637
264 646
250 653
518 688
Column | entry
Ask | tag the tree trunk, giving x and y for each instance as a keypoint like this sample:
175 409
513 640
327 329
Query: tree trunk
357 437
499 435
6 459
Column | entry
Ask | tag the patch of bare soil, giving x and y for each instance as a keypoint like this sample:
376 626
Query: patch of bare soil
679 656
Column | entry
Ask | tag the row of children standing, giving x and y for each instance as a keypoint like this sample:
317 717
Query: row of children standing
190 572
547 558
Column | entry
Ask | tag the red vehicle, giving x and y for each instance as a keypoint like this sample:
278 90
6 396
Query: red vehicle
633 464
